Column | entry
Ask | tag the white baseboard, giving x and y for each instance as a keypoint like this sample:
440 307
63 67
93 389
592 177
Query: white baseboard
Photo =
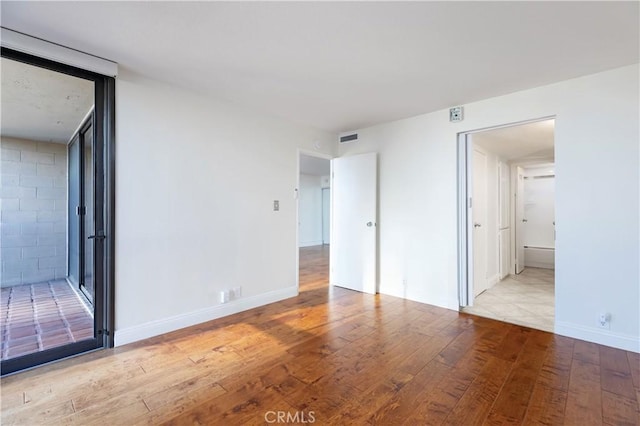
166 325
310 243
491 281
603 337
543 265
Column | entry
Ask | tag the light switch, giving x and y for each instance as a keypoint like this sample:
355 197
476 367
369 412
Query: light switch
276 205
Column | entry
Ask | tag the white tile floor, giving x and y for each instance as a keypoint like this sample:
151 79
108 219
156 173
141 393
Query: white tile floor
526 299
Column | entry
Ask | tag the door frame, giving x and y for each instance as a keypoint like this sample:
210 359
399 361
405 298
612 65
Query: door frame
87 122
513 201
104 139
465 217
323 156
326 192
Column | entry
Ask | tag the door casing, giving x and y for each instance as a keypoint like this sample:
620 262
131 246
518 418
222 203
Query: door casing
465 217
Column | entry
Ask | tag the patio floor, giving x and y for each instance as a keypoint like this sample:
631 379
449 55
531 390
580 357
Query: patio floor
40 316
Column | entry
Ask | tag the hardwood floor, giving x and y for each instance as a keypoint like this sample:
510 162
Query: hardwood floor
334 356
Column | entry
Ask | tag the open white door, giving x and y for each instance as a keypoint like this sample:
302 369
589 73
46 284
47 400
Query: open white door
520 219
353 222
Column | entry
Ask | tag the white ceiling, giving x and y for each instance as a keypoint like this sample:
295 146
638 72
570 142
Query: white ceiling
526 142
344 65
41 105
314 166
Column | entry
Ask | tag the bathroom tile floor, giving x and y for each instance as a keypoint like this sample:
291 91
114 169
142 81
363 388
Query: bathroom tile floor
40 316
526 299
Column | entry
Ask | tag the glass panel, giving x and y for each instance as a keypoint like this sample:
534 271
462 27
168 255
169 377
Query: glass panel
73 204
88 218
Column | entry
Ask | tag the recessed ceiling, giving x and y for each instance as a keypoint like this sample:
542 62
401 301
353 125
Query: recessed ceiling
525 142
314 166
344 65
40 104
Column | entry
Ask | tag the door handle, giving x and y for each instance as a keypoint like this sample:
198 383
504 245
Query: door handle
477 225
369 224
98 236
524 221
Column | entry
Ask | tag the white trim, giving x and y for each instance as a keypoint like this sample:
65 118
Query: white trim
540 265
166 325
513 124
310 243
463 273
55 52
607 338
491 281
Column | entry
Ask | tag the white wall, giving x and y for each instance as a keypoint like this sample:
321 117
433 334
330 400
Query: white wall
310 211
196 181
597 259
33 188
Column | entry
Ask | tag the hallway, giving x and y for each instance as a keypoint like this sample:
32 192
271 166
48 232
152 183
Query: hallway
527 299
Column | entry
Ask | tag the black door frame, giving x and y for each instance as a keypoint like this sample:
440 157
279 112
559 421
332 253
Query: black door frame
104 248
81 209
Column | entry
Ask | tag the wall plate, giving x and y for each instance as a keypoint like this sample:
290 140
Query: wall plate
456 114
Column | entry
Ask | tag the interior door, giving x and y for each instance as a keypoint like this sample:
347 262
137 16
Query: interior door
479 214
520 220
354 222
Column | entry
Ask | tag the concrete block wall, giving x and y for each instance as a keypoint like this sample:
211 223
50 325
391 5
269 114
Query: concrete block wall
33 211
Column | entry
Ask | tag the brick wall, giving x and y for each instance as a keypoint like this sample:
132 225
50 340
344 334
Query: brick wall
33 211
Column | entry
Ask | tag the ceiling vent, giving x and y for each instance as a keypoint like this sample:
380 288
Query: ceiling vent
349 138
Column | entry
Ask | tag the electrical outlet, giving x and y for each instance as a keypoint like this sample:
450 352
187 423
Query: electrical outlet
604 321
276 205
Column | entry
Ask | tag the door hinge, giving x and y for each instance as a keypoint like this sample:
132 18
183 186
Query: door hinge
81 210
101 332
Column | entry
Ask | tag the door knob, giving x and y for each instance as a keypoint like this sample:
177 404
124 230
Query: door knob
369 224
524 221
477 225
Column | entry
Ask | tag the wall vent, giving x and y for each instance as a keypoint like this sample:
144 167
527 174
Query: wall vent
349 138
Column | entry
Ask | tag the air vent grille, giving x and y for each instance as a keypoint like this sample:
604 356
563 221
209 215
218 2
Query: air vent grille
349 138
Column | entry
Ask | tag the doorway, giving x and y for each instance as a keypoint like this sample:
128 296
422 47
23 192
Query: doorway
508 224
57 282
314 220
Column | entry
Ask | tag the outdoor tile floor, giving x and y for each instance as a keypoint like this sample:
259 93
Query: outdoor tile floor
35 317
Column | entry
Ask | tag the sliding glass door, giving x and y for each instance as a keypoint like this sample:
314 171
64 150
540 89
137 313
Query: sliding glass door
82 205
83 209
74 203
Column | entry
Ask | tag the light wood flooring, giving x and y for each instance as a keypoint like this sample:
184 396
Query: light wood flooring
339 357
526 299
